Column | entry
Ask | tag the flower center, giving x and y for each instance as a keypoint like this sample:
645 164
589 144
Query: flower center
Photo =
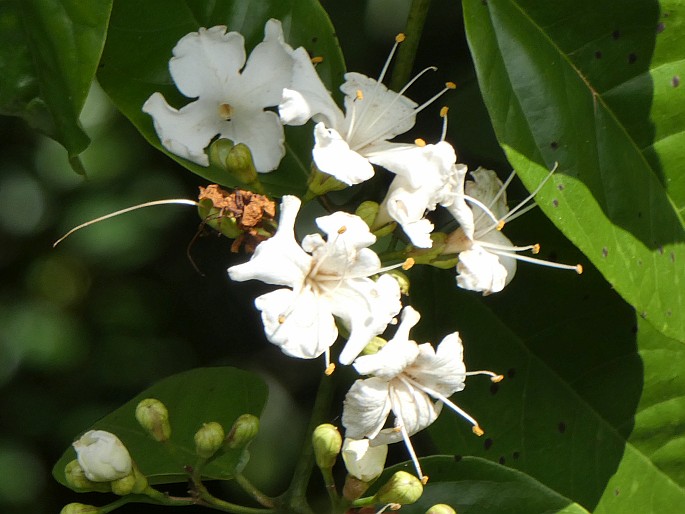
225 111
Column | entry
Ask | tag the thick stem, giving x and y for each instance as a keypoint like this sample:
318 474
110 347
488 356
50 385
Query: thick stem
258 495
407 50
206 499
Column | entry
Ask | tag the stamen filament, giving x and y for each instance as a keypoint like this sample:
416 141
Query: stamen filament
445 400
578 268
179 201
484 208
493 376
504 248
532 195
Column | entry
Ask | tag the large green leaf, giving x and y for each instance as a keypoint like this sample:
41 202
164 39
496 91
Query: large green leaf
192 398
594 86
49 52
591 405
138 49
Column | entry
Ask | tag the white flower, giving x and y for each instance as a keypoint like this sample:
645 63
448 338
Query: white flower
347 144
363 461
426 177
102 456
323 279
487 258
405 380
231 95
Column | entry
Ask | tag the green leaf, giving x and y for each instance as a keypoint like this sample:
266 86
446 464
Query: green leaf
471 485
49 52
594 87
192 398
591 405
143 34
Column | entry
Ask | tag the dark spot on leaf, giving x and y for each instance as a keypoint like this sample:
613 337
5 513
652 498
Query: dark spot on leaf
672 256
669 313
554 145
484 2
516 455
639 262
643 314
555 202
598 54
605 251
502 460
660 27
494 388
632 58
633 329
675 81
616 34
560 187
561 427
617 491
585 297
457 458
660 249
487 444
639 214
511 372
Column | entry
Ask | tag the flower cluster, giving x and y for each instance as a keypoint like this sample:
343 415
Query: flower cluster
334 283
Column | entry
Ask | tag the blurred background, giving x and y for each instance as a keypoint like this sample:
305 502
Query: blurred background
119 305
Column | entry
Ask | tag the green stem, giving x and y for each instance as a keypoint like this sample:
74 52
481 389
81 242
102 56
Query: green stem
407 50
205 498
329 481
150 495
249 488
295 497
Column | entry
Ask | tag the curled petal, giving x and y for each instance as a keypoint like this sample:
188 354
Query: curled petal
366 408
442 370
333 155
485 187
480 270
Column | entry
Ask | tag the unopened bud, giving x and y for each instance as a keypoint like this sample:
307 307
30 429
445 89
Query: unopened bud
368 211
79 508
77 479
321 183
403 488
243 431
153 416
218 152
363 461
208 439
402 280
327 442
102 456
239 163
374 345
441 508
135 483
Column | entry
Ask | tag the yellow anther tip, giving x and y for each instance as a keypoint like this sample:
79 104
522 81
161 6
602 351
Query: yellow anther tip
408 264
400 37
498 378
330 369
536 249
478 431
359 95
443 111
450 85
281 319
419 142
316 60
579 269
500 225
342 230
424 479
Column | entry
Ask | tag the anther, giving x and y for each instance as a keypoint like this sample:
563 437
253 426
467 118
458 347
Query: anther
424 479
225 111
281 318
359 95
419 142
342 230
330 369
535 249
477 430
579 269
317 60
400 37
408 264
497 378
443 111
500 225
450 85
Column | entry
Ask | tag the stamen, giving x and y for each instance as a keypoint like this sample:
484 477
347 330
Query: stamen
342 230
359 95
494 377
450 85
225 111
446 401
495 246
536 249
532 195
317 60
443 115
178 201
330 368
281 318
419 142
410 449
424 479
408 264
485 210
477 430
500 225
399 38
578 268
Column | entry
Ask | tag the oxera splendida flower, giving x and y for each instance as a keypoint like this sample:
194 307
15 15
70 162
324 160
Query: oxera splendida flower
346 145
405 380
102 456
487 258
324 280
210 65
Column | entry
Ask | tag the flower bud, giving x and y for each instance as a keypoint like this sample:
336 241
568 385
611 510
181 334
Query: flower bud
363 461
76 479
367 211
102 456
326 441
239 163
243 431
153 416
441 508
208 439
374 345
79 508
321 183
402 280
218 152
402 488
135 483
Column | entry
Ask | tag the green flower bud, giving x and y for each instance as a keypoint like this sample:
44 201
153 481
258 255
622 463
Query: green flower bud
79 508
239 163
135 483
76 479
153 416
218 152
402 280
327 442
374 345
243 431
208 439
441 508
367 211
321 183
403 488
384 230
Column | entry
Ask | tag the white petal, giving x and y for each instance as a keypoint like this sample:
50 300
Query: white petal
366 408
456 204
407 207
300 323
262 132
102 456
484 187
363 461
332 155
423 166
206 60
442 371
278 260
389 361
480 270
185 132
